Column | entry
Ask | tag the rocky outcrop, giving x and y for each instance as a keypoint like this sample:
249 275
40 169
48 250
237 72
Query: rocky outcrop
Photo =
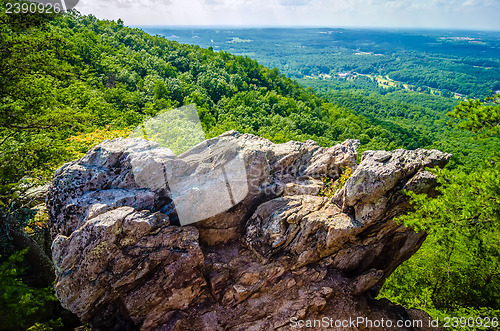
231 235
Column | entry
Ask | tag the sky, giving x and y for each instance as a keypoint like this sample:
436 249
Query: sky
449 14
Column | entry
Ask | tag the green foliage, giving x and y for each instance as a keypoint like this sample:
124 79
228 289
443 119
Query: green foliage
458 265
419 122
80 74
33 97
19 302
66 80
478 117
428 62
177 129
343 178
431 67
330 187
82 142
456 271
47 326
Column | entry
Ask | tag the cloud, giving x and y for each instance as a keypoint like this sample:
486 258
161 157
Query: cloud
213 2
395 4
123 3
294 3
461 14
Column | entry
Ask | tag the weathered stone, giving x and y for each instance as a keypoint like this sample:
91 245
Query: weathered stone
381 175
261 247
34 196
114 251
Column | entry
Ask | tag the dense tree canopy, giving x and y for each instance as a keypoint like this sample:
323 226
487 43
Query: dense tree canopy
456 272
69 81
479 117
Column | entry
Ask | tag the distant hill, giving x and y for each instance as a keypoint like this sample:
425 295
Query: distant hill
89 74
448 62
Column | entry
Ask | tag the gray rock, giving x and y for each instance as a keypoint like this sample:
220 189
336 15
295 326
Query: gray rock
34 196
258 246
381 175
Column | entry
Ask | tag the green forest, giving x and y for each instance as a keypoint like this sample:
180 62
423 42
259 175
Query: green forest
436 62
68 81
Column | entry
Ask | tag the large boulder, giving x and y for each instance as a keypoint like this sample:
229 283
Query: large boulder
232 233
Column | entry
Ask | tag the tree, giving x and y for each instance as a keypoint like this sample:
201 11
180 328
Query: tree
479 117
31 109
457 269
20 303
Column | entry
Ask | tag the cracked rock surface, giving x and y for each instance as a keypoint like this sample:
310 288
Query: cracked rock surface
257 246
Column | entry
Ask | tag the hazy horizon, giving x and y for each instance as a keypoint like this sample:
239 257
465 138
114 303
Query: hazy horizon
388 28
475 15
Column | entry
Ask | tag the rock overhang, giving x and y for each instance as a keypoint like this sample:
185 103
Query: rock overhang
253 225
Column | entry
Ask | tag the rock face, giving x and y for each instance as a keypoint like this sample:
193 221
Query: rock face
259 248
